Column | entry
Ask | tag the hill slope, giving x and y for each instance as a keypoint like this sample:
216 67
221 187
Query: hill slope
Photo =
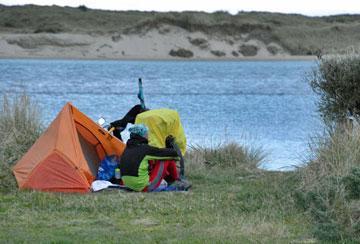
52 31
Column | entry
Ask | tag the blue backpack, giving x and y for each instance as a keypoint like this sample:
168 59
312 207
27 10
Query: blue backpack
107 167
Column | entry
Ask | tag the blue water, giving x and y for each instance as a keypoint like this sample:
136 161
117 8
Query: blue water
261 103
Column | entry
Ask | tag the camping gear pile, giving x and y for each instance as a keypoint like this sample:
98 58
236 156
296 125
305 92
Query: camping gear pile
70 154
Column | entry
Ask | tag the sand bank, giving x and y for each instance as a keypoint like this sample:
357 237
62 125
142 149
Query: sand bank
165 43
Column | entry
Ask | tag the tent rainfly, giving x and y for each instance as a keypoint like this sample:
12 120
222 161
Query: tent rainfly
67 155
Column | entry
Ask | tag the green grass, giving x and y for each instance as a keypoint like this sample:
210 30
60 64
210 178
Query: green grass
298 34
224 206
231 200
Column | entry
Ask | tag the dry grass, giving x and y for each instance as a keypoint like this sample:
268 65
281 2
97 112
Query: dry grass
330 185
230 155
335 154
20 126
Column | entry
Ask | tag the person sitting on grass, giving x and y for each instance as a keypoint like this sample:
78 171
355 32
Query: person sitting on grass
144 167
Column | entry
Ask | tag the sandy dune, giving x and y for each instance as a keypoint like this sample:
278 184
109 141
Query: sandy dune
166 42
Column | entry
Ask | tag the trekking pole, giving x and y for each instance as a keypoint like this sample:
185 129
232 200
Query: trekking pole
140 94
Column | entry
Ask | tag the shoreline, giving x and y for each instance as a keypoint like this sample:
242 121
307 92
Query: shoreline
286 58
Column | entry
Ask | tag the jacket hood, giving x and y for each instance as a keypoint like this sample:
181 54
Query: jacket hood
135 139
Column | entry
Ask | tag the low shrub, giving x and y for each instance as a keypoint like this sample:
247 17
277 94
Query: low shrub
83 8
235 53
272 49
248 50
116 38
181 52
336 79
199 42
230 42
218 53
352 183
20 126
9 25
48 30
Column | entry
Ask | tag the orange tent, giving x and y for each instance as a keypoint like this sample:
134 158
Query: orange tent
67 155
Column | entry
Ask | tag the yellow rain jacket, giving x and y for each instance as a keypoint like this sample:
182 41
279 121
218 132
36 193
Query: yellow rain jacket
161 123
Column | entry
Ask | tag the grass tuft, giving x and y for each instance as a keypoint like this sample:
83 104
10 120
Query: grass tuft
20 126
329 187
230 155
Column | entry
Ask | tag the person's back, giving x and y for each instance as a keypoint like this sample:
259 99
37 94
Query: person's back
134 165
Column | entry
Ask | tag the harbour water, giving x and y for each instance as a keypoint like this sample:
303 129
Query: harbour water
256 103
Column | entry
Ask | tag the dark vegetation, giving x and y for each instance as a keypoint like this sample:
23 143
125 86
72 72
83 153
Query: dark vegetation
115 38
199 42
181 53
31 42
83 8
218 53
248 50
337 81
297 34
273 50
49 28
330 183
